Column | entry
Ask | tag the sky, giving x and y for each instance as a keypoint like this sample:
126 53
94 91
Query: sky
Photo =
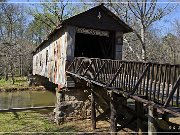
165 25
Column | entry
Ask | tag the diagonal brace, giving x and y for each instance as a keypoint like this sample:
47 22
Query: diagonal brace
99 70
140 79
71 64
115 75
79 67
176 85
91 62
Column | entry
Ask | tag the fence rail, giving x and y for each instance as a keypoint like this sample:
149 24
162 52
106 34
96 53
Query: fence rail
159 83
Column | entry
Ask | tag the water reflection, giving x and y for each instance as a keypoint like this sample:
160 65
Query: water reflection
26 99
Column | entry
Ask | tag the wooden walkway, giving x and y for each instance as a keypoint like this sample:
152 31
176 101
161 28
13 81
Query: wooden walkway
150 83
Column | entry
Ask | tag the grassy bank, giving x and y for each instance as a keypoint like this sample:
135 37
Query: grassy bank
19 82
35 122
31 121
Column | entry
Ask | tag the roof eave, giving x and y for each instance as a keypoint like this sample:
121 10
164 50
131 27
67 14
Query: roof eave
127 27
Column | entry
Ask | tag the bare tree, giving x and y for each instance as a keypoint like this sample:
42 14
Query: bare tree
12 33
146 13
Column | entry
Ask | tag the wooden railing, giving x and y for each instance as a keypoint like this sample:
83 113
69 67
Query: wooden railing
159 83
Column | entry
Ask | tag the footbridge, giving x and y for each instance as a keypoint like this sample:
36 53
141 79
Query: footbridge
152 85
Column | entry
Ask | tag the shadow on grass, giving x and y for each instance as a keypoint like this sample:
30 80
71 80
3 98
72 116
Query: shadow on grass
65 129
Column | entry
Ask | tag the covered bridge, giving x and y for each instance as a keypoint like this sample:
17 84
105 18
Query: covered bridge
88 48
96 33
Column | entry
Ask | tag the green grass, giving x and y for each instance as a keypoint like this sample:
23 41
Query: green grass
19 82
31 121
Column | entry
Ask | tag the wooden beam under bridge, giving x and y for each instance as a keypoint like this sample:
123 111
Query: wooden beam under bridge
113 113
93 109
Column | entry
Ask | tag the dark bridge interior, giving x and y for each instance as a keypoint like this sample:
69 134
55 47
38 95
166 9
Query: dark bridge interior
94 46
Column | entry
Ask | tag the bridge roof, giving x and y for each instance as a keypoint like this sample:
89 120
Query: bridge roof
98 17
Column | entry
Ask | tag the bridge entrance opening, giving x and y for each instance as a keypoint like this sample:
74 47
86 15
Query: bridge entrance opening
94 46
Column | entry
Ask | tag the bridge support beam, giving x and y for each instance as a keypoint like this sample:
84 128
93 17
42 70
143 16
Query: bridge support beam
151 120
113 113
93 110
165 117
140 113
59 115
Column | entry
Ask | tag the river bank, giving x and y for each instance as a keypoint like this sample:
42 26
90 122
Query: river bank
20 84
20 88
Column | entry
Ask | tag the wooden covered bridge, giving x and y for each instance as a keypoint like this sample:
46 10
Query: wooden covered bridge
87 49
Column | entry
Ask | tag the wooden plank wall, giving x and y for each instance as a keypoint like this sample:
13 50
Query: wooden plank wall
51 59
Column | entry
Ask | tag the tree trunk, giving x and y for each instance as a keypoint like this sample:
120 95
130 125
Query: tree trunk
174 60
12 74
143 43
13 80
20 66
6 74
131 49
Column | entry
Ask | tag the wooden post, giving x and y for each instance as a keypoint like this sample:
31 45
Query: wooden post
140 113
151 121
93 110
113 114
165 117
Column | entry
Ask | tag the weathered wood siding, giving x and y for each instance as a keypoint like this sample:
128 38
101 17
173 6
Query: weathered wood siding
71 32
119 45
50 60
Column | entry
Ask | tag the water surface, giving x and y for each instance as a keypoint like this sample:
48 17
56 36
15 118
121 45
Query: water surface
26 99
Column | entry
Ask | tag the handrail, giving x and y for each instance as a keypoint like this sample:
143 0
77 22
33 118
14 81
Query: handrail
159 83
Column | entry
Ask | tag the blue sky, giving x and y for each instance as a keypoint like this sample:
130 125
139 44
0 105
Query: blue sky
165 25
